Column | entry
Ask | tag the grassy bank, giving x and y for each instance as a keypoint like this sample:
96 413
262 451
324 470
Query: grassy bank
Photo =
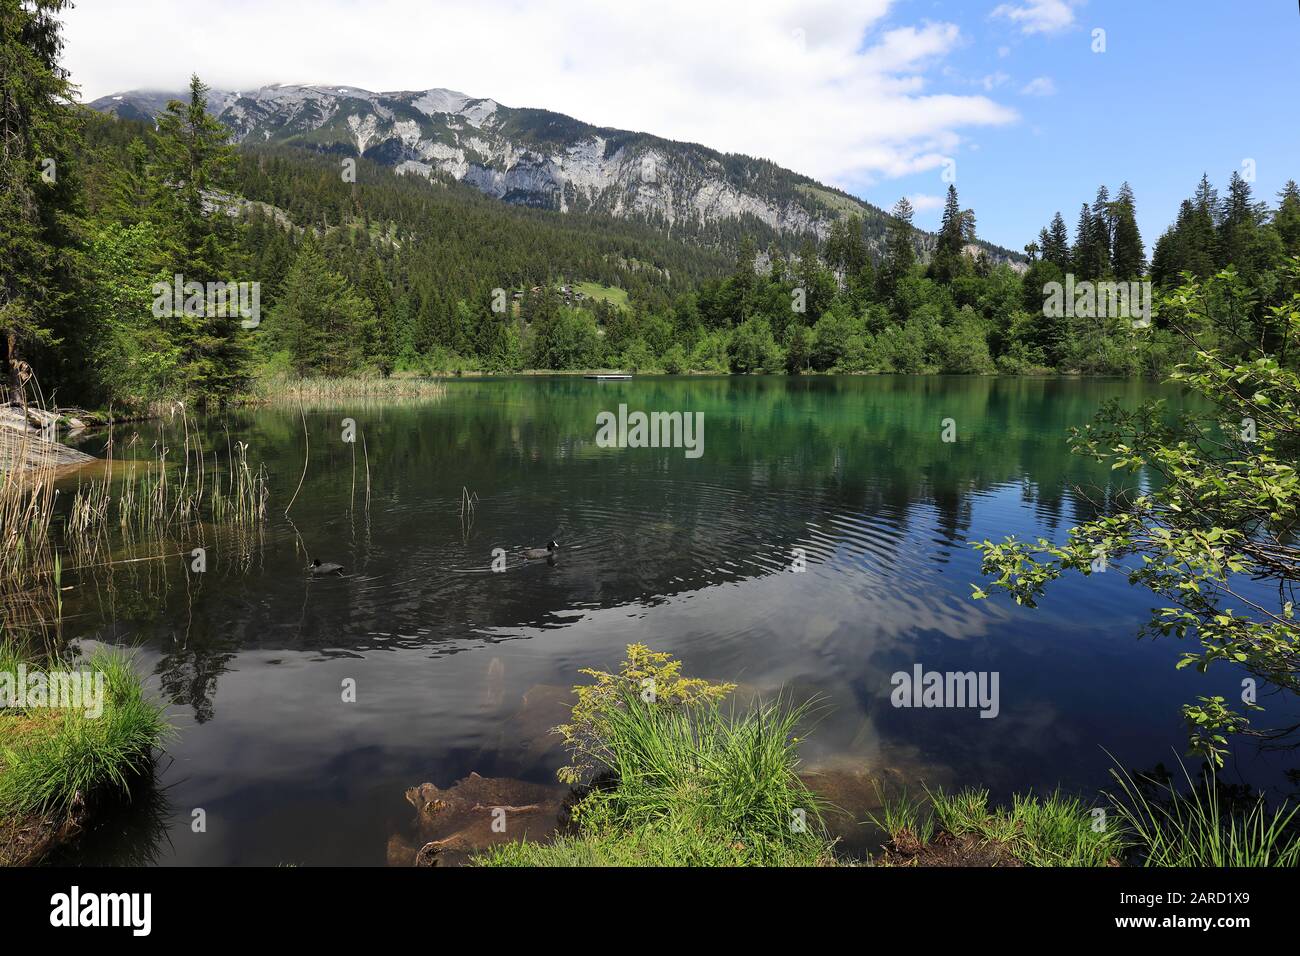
690 787
58 763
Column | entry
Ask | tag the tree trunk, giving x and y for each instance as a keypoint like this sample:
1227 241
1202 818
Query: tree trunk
15 385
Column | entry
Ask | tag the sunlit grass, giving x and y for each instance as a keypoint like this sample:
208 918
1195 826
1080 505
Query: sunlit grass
694 787
50 758
1194 829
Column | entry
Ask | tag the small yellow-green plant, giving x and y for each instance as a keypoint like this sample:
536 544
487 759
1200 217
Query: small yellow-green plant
653 676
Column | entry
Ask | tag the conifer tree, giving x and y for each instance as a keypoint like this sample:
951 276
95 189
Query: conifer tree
1129 257
1056 244
194 161
900 254
956 229
37 187
1287 218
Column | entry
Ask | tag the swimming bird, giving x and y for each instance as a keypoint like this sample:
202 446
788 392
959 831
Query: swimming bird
547 552
329 567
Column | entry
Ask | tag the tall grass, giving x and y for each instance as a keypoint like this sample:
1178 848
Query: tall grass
27 504
1196 829
314 393
176 491
692 786
51 759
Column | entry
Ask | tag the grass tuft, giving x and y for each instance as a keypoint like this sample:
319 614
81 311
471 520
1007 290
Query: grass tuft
1195 829
50 759
694 787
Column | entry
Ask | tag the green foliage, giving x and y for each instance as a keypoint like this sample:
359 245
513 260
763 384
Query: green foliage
134 353
1224 511
689 786
38 184
320 322
61 757
1057 830
753 348
654 675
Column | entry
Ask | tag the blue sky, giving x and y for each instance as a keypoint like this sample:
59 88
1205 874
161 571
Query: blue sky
1182 88
873 96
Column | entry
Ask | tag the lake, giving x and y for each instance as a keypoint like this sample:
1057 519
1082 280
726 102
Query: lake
458 668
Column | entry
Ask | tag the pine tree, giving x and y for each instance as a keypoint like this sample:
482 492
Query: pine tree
321 322
846 252
900 254
1082 256
37 188
194 160
1129 257
1287 218
1056 244
956 229
1238 220
1103 230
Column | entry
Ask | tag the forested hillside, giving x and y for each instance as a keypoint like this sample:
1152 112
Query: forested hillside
542 159
362 270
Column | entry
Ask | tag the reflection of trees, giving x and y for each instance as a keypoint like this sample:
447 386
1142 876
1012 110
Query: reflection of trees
781 456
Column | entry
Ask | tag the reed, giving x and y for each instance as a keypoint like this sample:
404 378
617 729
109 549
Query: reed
124 506
323 393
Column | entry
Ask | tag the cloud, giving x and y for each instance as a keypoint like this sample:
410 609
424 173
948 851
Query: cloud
828 88
1038 16
925 201
994 80
1039 86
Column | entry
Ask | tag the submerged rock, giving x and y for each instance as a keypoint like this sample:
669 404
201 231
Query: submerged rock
472 814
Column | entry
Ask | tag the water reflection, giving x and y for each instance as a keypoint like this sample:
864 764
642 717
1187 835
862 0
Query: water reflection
461 670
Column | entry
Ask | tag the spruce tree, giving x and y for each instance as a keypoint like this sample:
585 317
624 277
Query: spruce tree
1128 258
956 229
194 161
1238 219
1082 256
37 188
900 254
1287 218
1056 244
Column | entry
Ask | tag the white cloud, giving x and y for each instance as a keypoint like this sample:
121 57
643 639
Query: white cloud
820 86
994 80
1039 86
922 202
1038 16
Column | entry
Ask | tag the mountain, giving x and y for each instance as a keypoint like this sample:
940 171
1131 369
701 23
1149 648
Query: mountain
538 158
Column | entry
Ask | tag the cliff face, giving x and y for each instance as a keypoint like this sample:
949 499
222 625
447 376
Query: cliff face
531 157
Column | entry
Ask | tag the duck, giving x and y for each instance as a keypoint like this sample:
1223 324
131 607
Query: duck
318 567
547 552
